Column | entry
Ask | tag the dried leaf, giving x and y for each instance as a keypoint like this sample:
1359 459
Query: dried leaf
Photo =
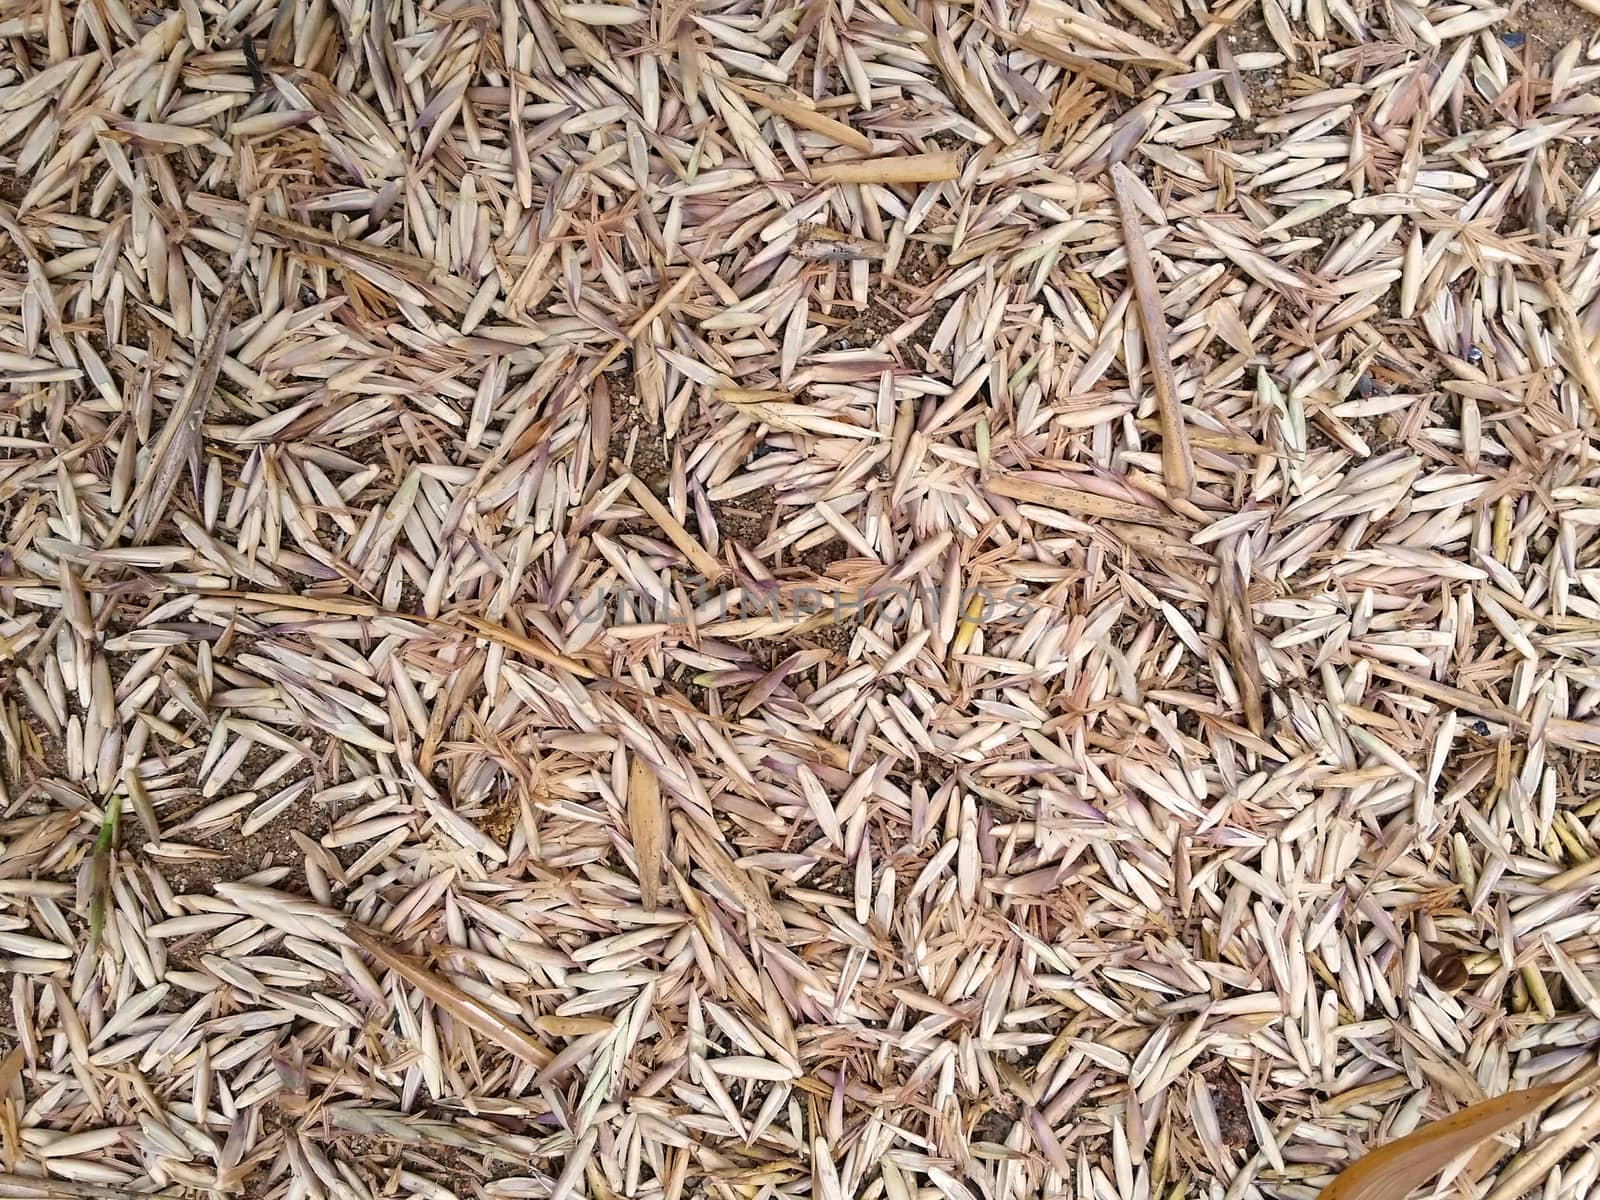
1394 1170
11 1070
451 999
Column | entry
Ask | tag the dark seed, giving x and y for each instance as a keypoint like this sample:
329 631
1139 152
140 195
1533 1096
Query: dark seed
253 63
1227 1098
1514 40
1474 355
1448 971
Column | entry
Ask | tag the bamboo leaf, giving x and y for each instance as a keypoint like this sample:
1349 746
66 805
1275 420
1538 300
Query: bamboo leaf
1394 1170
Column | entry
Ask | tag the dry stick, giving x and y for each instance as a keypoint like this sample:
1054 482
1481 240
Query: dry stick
449 998
1081 503
797 113
679 286
156 485
681 537
1444 693
348 607
181 433
821 244
938 167
1091 69
283 227
1176 463
1215 24
1574 735
154 489
1558 731
835 755
1238 623
746 887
